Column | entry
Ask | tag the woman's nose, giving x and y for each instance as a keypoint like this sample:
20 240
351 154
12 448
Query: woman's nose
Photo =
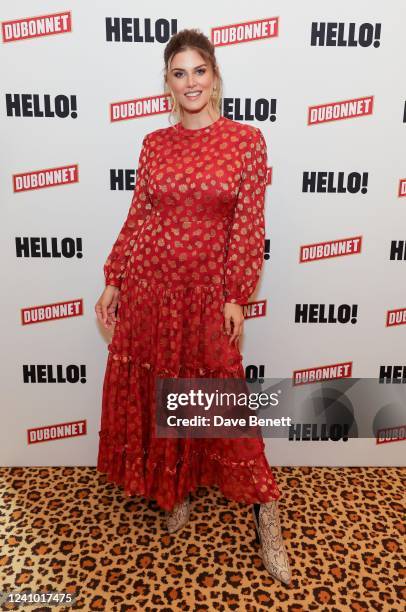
191 80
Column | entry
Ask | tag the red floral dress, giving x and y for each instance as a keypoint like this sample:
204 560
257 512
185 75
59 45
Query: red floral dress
193 240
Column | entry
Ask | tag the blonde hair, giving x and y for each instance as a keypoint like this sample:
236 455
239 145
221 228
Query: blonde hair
192 39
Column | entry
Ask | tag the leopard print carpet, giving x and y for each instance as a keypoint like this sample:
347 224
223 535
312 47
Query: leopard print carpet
68 529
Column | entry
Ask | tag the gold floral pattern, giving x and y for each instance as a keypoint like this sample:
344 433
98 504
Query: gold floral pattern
230 182
193 240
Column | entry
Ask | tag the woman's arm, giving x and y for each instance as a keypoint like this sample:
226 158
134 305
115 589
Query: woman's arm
245 253
139 210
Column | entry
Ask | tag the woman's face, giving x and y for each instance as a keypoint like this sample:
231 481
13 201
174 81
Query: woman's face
189 72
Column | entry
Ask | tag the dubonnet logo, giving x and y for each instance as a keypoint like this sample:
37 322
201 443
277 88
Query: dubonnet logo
333 248
140 107
389 423
245 31
345 109
330 182
391 434
60 431
51 312
269 176
339 34
34 373
49 177
316 374
48 247
35 27
402 188
396 317
254 309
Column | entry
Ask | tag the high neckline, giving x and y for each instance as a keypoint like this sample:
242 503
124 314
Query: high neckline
199 131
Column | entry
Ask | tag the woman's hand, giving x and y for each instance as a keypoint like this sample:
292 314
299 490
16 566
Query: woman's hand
234 319
106 306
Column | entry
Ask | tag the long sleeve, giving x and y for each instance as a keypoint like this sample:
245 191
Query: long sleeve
140 209
247 234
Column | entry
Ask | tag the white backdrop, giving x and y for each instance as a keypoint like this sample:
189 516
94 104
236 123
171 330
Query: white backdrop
287 69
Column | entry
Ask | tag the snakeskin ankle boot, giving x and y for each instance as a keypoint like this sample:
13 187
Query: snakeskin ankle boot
179 516
269 536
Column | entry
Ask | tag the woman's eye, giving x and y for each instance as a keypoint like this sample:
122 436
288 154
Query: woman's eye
200 70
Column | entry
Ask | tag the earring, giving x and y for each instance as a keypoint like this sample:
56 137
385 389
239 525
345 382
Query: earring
174 109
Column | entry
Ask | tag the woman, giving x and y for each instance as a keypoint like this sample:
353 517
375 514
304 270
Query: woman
187 257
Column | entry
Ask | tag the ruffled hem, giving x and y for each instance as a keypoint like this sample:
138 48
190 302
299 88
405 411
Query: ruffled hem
168 469
205 468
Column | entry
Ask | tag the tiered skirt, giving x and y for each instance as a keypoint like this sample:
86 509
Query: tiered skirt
172 333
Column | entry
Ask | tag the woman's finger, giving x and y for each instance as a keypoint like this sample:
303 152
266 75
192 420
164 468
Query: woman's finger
104 314
237 331
99 312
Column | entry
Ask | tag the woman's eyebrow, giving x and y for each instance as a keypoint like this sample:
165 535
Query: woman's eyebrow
172 69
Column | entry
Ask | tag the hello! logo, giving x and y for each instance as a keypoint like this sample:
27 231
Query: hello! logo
392 374
267 249
246 31
60 106
36 27
333 248
29 247
325 414
51 312
130 29
339 34
34 373
122 179
335 111
255 373
323 313
317 432
397 250
49 177
329 182
317 374
262 109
